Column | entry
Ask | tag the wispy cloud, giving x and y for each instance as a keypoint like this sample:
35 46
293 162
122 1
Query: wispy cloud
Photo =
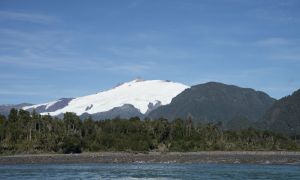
18 92
54 50
42 49
149 52
131 67
274 41
274 14
27 17
41 40
13 76
290 56
135 3
26 89
37 61
31 59
238 75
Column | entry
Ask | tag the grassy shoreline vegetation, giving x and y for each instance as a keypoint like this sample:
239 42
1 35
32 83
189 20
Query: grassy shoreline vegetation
24 132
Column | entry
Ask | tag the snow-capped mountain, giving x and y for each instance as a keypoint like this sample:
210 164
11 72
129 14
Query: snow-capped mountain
141 95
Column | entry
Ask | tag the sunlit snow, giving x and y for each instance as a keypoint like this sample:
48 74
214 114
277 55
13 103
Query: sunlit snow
137 93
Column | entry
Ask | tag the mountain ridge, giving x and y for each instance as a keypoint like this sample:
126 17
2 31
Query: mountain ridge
214 101
232 105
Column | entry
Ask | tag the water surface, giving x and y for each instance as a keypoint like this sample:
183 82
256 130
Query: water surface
149 171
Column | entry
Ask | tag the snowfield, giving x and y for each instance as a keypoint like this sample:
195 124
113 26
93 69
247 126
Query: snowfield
139 93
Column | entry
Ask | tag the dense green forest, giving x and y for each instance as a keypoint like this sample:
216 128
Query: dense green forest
25 132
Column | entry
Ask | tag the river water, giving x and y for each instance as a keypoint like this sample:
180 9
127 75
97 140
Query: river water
149 171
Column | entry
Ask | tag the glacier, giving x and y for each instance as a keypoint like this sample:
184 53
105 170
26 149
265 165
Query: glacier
142 94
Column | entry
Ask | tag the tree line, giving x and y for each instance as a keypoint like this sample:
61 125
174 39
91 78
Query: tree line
25 132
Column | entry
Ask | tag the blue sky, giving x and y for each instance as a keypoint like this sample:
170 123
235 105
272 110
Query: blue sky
53 49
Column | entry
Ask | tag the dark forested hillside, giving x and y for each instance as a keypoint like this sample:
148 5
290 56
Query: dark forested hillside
284 115
212 102
25 132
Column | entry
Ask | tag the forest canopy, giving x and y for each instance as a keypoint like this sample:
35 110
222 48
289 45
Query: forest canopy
25 132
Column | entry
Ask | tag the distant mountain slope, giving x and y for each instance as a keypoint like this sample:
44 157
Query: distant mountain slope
214 101
126 111
284 115
49 107
142 95
5 109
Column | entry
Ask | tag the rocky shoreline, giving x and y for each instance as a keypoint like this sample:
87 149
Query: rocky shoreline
258 157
